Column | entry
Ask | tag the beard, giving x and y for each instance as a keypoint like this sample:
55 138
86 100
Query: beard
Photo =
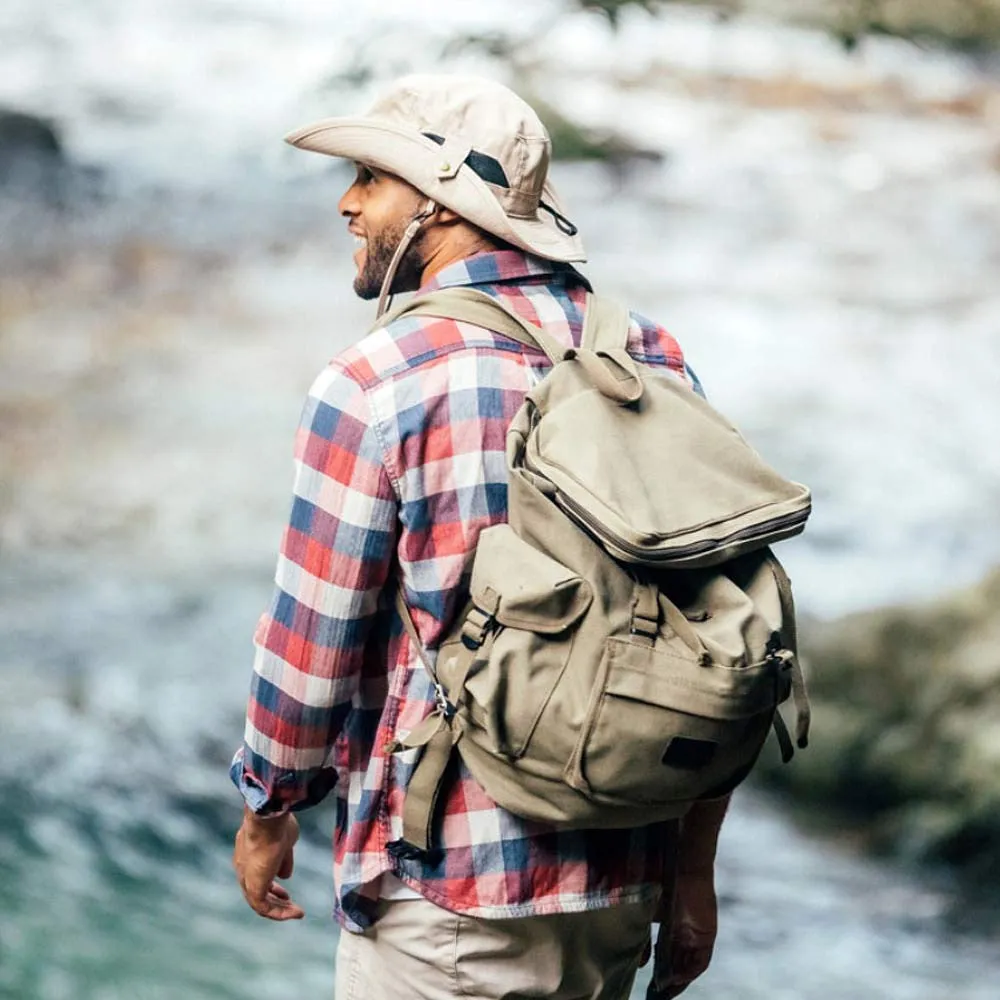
378 257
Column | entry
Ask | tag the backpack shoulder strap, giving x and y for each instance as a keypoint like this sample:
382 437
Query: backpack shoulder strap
606 324
479 309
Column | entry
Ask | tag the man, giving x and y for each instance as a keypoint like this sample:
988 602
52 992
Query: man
400 465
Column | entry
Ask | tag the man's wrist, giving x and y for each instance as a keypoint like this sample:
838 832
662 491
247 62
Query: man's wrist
699 838
701 870
265 827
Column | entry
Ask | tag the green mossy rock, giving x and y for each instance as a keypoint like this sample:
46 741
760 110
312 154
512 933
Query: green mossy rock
573 142
906 732
964 24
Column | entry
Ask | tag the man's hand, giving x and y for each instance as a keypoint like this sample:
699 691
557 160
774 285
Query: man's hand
685 942
263 853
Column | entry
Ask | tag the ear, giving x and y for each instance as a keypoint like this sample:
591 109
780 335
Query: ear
446 216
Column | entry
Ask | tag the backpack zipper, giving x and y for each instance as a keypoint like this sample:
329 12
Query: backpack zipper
643 555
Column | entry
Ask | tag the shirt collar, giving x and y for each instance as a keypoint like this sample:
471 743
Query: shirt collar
502 265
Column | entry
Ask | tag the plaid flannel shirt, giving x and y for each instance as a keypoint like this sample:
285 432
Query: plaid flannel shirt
399 466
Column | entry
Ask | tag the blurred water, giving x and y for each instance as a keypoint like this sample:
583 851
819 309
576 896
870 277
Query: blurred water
824 241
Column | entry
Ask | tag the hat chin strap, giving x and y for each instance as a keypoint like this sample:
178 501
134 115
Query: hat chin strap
407 238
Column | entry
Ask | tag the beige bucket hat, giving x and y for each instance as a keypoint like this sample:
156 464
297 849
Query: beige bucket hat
465 142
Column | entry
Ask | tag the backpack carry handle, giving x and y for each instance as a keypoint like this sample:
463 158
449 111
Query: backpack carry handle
613 373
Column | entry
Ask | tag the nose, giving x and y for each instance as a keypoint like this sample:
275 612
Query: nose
350 205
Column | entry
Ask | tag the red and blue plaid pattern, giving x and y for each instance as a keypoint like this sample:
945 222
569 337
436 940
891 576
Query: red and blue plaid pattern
399 466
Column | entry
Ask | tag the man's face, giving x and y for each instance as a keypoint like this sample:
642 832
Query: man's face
380 206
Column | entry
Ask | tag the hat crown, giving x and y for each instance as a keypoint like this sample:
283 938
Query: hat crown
483 114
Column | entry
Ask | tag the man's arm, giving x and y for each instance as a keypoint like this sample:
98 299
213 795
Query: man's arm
334 561
689 920
699 839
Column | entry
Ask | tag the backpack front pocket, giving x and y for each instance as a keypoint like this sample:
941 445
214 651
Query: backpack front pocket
514 641
660 725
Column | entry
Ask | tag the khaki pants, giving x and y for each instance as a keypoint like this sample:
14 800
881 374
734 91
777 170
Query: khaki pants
419 951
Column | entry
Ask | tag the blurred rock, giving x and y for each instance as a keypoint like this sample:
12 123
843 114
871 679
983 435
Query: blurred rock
970 25
907 727
31 154
34 165
21 133
572 142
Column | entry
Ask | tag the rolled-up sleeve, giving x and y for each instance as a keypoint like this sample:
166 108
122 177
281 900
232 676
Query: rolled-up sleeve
335 558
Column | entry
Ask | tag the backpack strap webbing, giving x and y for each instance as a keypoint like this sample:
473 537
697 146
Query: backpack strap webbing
606 325
800 696
469 306
436 737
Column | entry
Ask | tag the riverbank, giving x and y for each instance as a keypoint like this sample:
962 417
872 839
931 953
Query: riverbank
906 736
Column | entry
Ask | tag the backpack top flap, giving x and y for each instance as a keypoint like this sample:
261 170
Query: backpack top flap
665 481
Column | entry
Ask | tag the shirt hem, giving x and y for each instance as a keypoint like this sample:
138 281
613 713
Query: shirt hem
549 906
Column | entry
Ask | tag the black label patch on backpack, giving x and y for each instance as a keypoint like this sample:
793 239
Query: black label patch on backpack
689 755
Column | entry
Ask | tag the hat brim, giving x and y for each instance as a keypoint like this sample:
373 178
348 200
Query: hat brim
416 159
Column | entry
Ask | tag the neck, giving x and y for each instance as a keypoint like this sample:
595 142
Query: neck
456 247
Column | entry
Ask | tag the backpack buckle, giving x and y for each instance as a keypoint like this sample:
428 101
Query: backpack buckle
645 612
445 707
646 627
479 623
783 659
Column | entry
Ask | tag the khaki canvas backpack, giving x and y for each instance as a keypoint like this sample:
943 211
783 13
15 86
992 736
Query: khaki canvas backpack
629 635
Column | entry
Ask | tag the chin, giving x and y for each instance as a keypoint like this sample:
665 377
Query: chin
363 290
